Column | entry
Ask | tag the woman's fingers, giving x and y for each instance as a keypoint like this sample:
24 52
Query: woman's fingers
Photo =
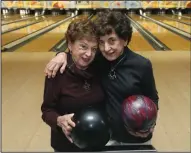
69 138
71 123
69 128
67 132
67 124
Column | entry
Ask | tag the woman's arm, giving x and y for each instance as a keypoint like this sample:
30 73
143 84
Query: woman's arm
148 83
56 63
60 62
49 105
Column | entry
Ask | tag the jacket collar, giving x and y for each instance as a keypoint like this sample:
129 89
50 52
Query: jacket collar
122 57
85 74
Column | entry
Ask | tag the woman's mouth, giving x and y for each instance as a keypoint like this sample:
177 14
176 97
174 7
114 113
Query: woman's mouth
110 53
86 59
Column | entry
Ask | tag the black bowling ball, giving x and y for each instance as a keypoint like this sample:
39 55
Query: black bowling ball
91 130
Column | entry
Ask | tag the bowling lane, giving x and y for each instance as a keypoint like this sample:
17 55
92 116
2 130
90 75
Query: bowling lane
19 24
14 35
187 15
45 42
179 18
11 18
173 41
173 23
138 42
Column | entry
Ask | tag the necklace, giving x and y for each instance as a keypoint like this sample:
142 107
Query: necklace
69 66
112 73
86 85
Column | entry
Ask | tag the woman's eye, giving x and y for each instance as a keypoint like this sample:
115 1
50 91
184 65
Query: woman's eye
101 42
112 40
83 47
94 50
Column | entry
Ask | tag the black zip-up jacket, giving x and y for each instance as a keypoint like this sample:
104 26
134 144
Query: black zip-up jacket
134 76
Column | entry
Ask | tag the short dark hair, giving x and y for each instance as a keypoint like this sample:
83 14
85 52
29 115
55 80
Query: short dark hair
110 19
79 29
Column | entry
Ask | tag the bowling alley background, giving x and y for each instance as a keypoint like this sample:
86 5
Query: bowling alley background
95 4
33 31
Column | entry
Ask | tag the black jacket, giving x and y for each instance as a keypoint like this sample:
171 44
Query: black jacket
134 75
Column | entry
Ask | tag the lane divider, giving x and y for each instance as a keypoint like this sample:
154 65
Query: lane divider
153 41
20 42
175 20
17 28
183 34
21 20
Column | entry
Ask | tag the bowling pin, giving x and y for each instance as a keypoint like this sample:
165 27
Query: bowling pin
42 12
4 12
76 12
173 12
141 12
180 13
36 14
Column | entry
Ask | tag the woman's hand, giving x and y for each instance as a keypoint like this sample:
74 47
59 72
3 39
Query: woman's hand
58 61
66 123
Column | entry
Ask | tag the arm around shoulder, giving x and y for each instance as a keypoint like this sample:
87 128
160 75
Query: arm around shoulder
59 62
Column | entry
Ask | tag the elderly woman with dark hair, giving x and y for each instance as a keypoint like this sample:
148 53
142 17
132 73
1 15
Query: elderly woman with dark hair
75 89
124 73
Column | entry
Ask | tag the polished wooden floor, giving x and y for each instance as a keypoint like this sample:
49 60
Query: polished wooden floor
22 91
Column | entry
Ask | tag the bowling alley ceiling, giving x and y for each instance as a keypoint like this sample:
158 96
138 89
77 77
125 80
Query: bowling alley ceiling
95 4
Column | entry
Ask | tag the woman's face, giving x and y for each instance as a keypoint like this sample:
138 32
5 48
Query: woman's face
83 52
111 46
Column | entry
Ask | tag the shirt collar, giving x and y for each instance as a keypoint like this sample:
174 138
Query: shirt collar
125 53
85 74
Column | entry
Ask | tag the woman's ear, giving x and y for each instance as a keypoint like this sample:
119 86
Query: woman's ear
125 43
70 46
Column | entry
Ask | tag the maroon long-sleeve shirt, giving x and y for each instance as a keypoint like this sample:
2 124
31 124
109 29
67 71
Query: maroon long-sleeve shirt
68 93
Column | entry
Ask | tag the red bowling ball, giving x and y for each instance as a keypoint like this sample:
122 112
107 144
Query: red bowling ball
139 113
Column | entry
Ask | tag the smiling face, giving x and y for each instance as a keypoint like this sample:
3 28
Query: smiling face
83 52
111 46
114 31
82 42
